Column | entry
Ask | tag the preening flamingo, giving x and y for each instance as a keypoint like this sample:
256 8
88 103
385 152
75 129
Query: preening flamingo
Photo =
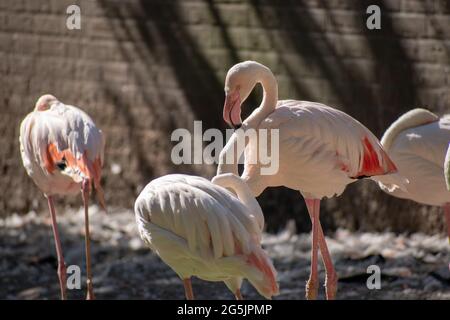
321 151
201 229
418 143
62 151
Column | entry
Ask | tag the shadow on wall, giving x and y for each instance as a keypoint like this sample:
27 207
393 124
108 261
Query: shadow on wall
174 81
376 94
162 41
316 38
375 103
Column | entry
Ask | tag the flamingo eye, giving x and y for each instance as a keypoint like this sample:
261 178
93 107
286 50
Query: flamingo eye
62 165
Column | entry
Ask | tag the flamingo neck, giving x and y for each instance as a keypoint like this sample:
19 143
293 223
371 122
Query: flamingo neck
270 98
243 193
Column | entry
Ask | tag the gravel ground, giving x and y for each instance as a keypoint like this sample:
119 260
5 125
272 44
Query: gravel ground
413 267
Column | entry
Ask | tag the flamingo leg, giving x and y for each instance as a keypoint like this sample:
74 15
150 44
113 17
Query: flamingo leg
447 218
331 276
62 274
188 289
85 195
312 284
238 295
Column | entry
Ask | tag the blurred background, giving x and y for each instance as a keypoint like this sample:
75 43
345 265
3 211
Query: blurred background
144 68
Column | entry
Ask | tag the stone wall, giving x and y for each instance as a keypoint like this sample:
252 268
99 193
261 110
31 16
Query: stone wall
144 68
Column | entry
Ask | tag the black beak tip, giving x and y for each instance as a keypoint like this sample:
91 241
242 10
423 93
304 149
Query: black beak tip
234 126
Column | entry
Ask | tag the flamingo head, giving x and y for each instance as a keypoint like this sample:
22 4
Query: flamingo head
45 102
239 83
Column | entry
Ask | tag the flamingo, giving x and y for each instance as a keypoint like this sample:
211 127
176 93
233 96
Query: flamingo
447 174
62 151
321 151
418 142
199 228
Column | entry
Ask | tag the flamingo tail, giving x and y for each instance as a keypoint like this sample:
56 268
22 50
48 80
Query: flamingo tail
263 275
78 168
391 182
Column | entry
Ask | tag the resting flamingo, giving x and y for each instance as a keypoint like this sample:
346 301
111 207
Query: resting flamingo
321 151
418 143
62 151
201 229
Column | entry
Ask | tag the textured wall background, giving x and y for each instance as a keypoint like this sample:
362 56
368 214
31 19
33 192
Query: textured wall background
144 68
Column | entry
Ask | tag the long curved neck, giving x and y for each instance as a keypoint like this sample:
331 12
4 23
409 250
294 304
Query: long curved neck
243 192
410 119
270 97
447 168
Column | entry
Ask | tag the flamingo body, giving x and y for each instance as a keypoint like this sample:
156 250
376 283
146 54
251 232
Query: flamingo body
60 146
201 229
62 151
321 151
419 151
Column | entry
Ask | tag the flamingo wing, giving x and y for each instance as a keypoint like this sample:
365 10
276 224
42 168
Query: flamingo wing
210 220
447 168
322 149
420 154
201 229
61 141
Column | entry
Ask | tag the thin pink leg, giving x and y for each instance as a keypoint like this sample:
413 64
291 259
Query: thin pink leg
312 284
238 295
188 289
85 195
331 276
447 218
62 275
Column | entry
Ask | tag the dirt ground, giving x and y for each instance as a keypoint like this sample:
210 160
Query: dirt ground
413 266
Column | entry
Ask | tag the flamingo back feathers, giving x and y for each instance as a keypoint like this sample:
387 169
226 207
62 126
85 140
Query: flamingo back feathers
60 146
447 168
201 229
411 119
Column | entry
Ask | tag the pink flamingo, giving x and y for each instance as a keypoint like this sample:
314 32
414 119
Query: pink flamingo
321 151
199 228
418 143
62 151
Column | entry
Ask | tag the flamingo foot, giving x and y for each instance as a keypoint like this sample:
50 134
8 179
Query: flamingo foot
188 289
90 290
311 289
62 276
85 195
331 286
238 295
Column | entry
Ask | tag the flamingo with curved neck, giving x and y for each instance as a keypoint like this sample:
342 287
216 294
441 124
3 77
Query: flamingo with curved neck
199 228
418 142
244 77
321 151
243 192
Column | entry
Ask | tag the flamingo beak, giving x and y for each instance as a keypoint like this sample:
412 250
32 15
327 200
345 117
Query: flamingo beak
232 109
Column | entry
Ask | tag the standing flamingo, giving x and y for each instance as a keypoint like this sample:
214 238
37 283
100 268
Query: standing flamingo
418 142
62 151
199 228
447 176
321 151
